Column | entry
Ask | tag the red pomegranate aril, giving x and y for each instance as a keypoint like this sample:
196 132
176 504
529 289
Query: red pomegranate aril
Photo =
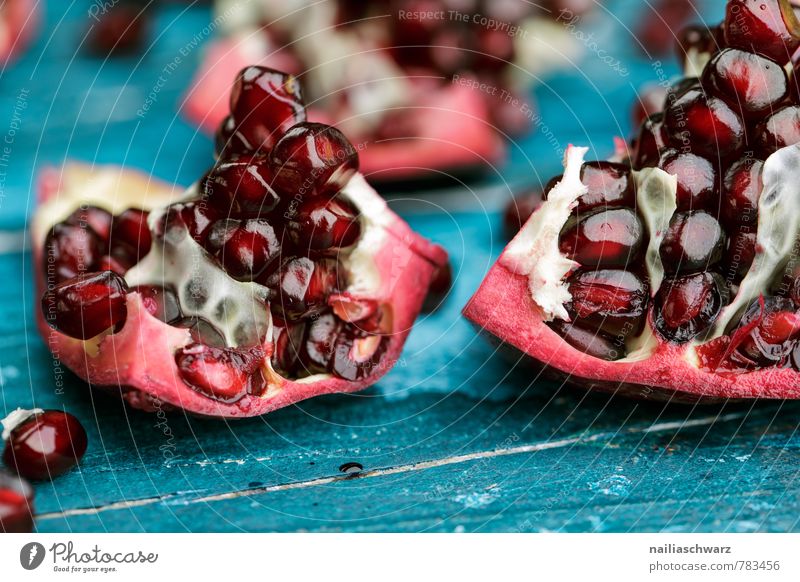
246 248
130 231
322 225
776 333
69 251
741 252
243 185
356 355
160 302
697 179
609 238
16 504
224 374
87 305
608 184
229 142
699 38
287 342
767 27
194 218
705 124
264 104
687 306
652 141
301 286
750 83
98 219
45 445
780 130
694 242
320 342
313 159
741 190
679 89
612 301
593 343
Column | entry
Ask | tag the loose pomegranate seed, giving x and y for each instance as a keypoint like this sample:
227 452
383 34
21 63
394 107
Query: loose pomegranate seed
687 306
608 300
610 238
224 374
265 103
202 331
704 124
608 184
356 356
699 38
130 235
694 242
97 218
323 225
741 252
320 342
160 302
593 343
767 27
246 248
69 251
775 335
741 190
16 504
301 286
780 130
287 341
751 84
313 159
87 305
651 143
679 89
698 185
240 186
44 444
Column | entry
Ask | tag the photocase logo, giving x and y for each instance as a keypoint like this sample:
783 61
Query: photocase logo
31 555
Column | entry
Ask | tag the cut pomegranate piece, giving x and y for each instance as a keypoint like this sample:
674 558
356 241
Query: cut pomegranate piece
16 504
694 242
609 238
705 124
749 83
767 27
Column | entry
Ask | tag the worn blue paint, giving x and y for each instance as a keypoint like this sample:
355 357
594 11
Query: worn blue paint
451 440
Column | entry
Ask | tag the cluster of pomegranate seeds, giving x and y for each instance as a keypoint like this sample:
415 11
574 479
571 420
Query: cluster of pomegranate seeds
16 504
713 134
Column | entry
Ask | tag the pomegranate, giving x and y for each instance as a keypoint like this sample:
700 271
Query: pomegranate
16 504
687 289
278 276
19 20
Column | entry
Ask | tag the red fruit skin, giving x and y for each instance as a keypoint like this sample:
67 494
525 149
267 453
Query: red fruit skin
148 371
21 19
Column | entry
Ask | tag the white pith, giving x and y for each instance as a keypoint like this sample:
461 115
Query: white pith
16 418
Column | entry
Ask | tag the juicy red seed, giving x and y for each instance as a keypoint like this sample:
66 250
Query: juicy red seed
246 248
679 89
201 331
609 238
229 142
313 159
781 129
439 289
87 305
243 185
704 124
131 231
287 341
97 219
16 504
223 374
264 104
70 250
694 242
687 306
697 179
741 190
320 342
608 184
741 252
301 286
45 445
609 300
194 219
775 335
519 210
767 27
699 38
651 142
592 343
649 102
750 83
160 302
324 225
357 356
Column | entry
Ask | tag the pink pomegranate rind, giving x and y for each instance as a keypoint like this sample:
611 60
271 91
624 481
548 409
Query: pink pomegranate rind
20 20
138 362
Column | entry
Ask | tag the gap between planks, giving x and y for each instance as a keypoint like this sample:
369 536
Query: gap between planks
420 466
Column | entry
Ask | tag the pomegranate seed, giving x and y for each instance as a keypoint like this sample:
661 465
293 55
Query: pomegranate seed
357 356
320 343
699 38
87 305
649 102
287 341
194 219
608 184
608 300
301 286
694 242
780 130
741 252
201 331
705 124
610 238
97 218
313 158
44 444
243 185
776 333
130 235
224 374
592 343
70 250
439 288
741 190
265 103
767 27
16 504
750 83
160 302
697 179
325 225
651 142
229 142
246 248
687 306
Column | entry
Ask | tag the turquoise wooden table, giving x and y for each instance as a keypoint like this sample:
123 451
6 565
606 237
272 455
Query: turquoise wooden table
452 439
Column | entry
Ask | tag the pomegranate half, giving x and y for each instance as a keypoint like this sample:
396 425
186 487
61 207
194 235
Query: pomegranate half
279 276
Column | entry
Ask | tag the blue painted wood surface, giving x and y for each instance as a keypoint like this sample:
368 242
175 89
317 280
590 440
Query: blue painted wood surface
451 439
